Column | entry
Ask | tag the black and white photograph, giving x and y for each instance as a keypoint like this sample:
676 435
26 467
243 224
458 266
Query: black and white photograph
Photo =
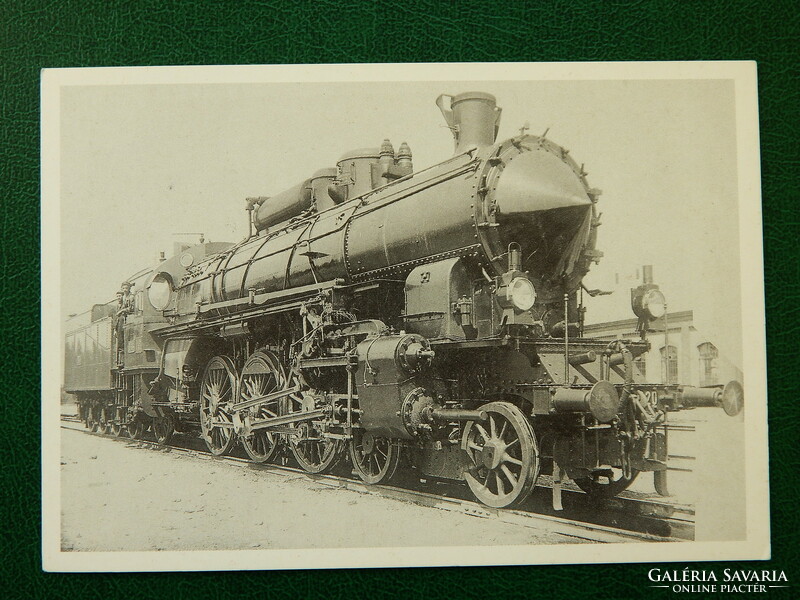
330 316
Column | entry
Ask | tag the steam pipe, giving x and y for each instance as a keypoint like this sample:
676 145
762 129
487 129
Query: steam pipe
455 414
695 397
583 358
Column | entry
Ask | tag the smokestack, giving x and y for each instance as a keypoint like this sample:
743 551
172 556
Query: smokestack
473 117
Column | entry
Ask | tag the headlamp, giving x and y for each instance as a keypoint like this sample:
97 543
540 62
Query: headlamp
654 303
521 293
159 292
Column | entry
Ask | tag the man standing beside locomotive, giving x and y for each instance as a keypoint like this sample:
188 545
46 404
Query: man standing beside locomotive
124 307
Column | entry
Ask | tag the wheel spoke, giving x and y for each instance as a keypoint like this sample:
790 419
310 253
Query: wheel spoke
512 460
511 477
492 426
501 487
482 431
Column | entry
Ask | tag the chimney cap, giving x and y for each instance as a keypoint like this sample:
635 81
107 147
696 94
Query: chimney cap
472 96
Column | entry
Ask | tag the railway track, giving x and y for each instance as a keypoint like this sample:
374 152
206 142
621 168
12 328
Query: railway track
619 520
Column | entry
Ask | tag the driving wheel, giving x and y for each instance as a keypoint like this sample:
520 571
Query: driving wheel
217 392
261 375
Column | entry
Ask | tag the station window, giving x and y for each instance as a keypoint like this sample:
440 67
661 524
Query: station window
709 356
641 364
669 364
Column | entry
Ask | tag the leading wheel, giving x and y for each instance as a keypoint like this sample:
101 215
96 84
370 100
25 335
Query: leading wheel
375 459
261 375
217 392
608 485
163 428
504 456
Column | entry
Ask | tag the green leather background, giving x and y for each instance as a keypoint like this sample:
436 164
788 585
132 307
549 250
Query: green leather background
62 33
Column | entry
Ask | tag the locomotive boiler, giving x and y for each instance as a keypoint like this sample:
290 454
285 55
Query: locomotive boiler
425 321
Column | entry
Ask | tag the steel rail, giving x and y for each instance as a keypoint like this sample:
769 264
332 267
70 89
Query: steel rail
676 529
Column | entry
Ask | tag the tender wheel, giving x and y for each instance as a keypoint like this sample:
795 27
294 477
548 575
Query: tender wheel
116 427
137 428
88 418
375 459
504 455
93 423
83 413
261 375
163 428
103 425
602 487
217 392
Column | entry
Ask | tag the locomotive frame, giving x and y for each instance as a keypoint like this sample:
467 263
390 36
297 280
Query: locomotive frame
451 352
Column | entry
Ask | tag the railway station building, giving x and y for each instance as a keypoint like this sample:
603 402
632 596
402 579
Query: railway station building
679 354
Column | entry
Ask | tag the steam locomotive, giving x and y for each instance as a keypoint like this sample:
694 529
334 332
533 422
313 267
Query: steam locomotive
347 325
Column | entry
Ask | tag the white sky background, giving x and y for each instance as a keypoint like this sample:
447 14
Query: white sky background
139 163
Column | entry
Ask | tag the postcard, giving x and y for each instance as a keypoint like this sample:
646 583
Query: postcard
324 316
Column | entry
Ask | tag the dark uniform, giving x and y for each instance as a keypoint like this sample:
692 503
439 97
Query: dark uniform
125 304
